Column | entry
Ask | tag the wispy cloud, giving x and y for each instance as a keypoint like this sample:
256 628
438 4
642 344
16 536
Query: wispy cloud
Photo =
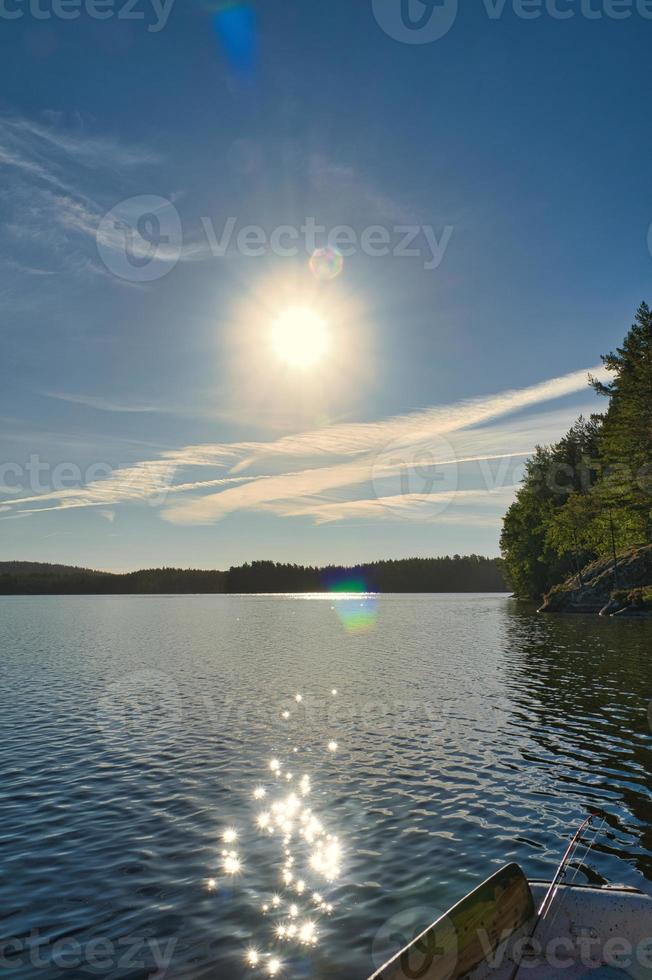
417 427
64 180
364 461
100 403
357 192
421 507
53 147
27 270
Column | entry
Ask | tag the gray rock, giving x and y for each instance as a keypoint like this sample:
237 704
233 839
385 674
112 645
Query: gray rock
596 594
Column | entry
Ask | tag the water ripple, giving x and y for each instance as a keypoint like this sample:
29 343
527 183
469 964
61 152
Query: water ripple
465 732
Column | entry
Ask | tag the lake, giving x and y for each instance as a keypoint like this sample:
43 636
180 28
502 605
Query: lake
138 734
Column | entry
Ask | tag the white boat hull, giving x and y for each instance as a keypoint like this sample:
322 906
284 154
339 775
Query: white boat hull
495 932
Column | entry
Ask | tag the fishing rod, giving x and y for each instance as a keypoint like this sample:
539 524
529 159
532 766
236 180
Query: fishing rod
551 894
552 891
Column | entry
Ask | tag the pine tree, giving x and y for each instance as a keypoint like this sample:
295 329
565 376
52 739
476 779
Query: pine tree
625 440
535 559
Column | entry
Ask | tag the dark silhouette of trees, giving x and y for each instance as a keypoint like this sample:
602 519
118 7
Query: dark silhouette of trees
472 573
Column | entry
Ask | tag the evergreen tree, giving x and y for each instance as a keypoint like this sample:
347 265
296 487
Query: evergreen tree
591 493
535 561
626 432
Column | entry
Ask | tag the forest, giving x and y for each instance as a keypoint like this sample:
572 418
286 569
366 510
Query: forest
589 495
471 573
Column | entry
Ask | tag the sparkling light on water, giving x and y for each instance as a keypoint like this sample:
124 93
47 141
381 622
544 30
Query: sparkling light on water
307 857
232 864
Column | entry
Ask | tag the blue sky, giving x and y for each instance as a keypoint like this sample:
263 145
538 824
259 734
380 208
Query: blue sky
146 417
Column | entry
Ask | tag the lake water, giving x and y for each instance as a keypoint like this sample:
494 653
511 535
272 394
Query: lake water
470 732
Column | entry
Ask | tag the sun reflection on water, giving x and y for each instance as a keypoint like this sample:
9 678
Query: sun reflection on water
307 859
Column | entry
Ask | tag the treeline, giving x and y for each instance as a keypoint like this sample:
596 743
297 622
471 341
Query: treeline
62 580
589 495
472 573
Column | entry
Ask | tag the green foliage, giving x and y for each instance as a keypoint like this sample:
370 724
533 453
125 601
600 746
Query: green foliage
570 530
590 495
625 441
534 559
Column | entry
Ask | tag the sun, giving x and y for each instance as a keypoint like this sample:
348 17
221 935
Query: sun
300 337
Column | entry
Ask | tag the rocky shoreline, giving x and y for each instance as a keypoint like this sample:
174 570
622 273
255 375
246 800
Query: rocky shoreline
626 592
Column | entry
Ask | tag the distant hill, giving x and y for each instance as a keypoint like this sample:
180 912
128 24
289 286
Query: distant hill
40 568
472 573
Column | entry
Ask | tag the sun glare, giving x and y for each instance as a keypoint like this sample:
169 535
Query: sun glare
300 337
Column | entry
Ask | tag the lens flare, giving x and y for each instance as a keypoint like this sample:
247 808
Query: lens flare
326 263
356 608
235 26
